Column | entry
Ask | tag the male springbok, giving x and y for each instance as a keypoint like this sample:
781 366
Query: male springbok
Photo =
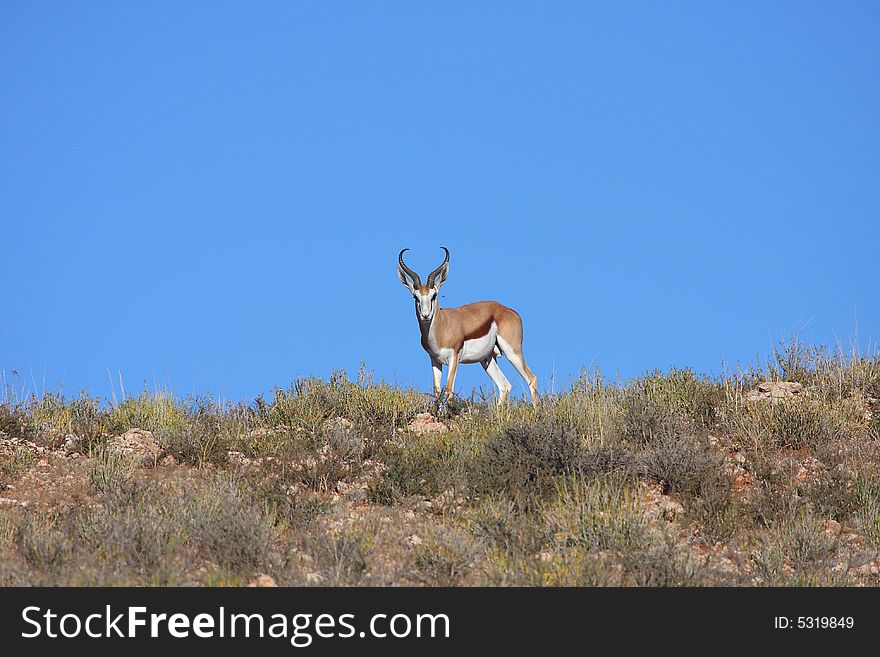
474 333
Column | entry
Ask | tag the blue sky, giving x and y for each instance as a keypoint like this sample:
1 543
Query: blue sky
210 196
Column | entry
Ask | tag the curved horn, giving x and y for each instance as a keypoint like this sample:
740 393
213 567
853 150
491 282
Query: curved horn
412 274
434 273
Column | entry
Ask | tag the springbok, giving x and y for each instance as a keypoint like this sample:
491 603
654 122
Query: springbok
474 333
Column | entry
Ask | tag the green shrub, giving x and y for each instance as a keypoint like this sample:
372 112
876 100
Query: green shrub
867 496
603 514
199 441
13 419
158 412
13 464
111 468
228 530
43 540
424 467
525 459
795 423
308 403
652 403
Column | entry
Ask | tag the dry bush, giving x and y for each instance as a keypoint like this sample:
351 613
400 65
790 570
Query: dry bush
525 459
199 440
423 468
13 463
111 468
799 552
327 485
447 556
43 540
649 405
308 403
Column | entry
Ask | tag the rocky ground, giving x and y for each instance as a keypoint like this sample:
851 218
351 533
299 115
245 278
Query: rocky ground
671 479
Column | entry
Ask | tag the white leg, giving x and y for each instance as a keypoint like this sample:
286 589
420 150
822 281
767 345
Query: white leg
516 359
504 387
437 366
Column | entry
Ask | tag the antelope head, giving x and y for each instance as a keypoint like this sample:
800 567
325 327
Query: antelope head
425 295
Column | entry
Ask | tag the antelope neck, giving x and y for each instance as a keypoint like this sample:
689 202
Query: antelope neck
426 326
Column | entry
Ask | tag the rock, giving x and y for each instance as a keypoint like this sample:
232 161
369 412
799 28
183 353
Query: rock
138 443
13 443
773 390
743 483
872 568
425 423
809 470
658 505
263 581
414 540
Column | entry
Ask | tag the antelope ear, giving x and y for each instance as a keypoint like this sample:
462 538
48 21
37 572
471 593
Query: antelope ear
405 280
441 277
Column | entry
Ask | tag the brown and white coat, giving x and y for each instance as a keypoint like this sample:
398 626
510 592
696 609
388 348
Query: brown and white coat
474 333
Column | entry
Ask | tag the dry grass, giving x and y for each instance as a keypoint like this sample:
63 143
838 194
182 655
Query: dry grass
670 479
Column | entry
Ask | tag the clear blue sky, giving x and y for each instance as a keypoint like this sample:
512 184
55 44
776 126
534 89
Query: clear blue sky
211 196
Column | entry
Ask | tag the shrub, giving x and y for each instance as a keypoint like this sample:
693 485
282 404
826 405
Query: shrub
603 514
425 467
14 463
445 557
868 509
48 417
308 403
795 361
590 407
654 402
295 509
135 528
111 468
199 441
341 558
661 564
158 412
13 419
682 463
834 495
501 525
42 539
524 460
228 530
318 472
